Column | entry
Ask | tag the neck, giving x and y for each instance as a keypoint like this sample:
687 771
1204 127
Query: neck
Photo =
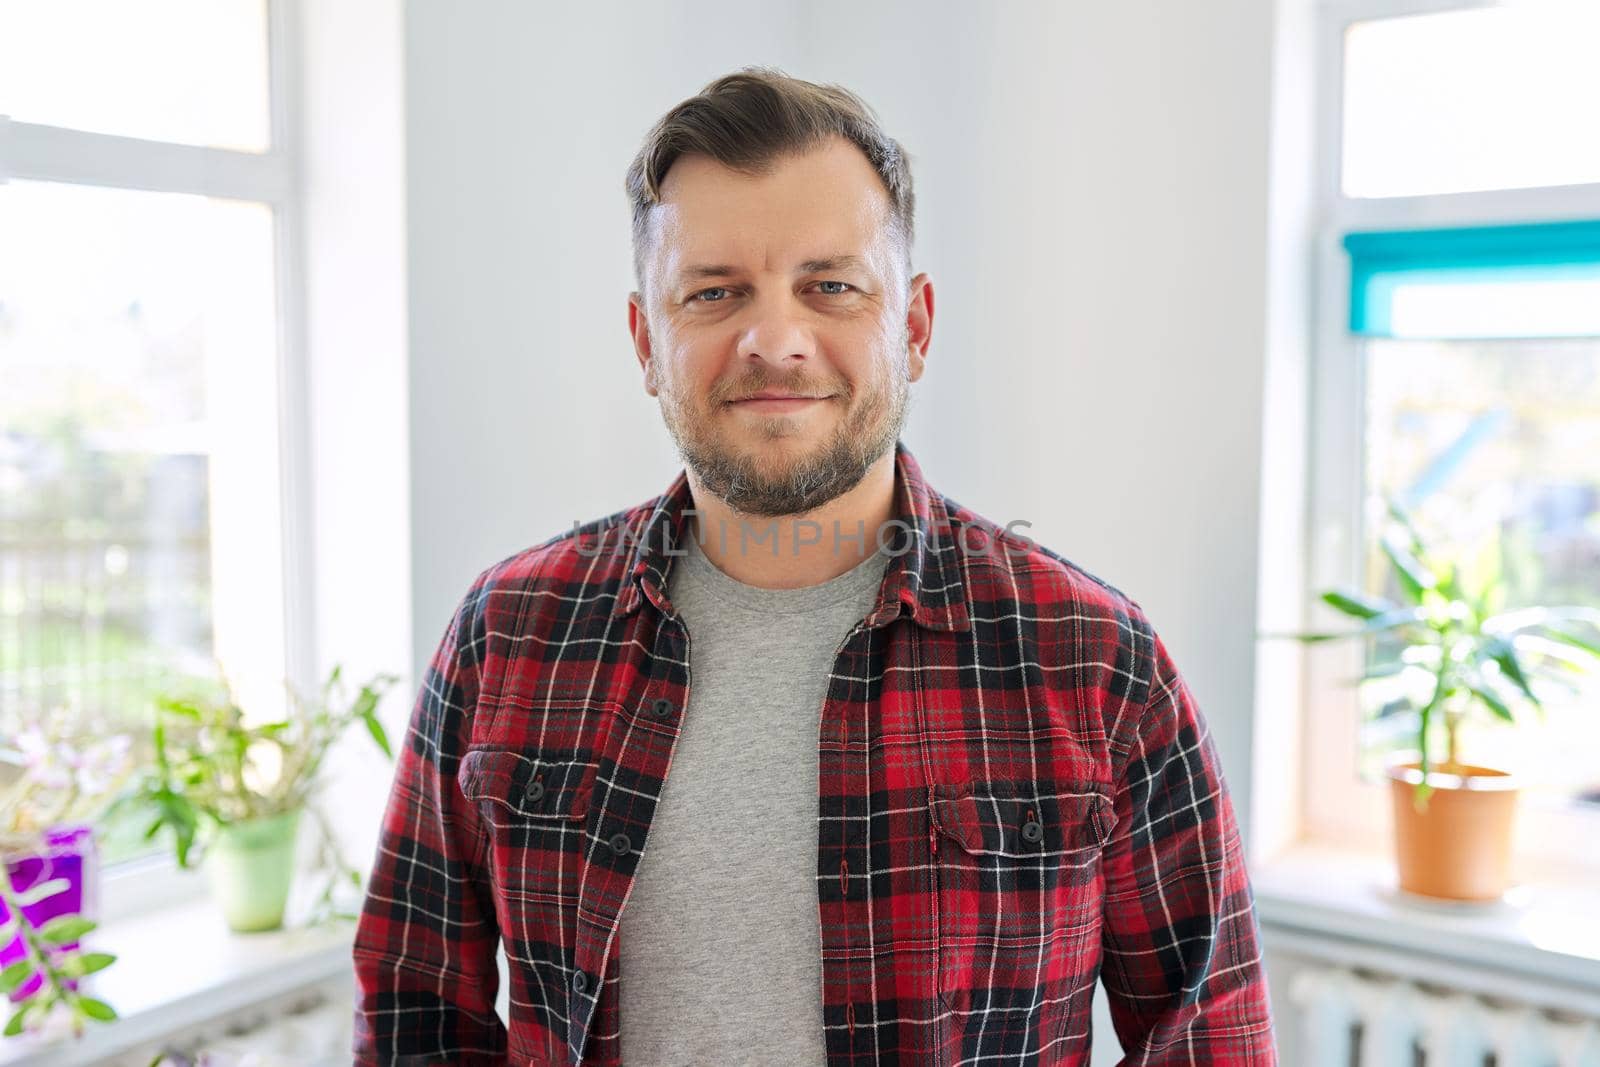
789 551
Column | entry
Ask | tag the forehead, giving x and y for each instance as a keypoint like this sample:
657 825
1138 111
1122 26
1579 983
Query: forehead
826 201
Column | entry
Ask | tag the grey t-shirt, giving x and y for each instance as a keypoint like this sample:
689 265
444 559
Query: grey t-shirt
720 948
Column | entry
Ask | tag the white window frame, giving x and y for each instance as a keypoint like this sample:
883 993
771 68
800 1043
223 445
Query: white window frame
36 152
1337 807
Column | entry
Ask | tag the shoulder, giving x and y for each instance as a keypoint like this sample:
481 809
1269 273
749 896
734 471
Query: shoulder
1005 561
1074 612
582 565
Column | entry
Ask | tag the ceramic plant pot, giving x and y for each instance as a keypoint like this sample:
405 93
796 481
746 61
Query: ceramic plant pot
250 866
1458 845
69 853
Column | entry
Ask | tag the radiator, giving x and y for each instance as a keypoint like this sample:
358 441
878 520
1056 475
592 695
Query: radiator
308 1029
1358 1018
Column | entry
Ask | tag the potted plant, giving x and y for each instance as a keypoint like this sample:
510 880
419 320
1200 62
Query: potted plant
1457 653
48 867
238 791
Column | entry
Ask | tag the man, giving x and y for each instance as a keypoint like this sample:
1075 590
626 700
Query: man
800 761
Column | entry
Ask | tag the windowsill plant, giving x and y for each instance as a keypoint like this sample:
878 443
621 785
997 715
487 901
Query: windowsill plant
1460 654
61 787
231 794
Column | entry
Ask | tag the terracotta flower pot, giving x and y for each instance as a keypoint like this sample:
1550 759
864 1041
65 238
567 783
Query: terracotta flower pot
1458 847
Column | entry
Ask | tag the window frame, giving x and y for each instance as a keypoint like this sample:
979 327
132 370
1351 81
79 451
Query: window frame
34 152
1336 806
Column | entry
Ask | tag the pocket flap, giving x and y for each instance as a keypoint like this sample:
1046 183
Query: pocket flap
990 817
525 785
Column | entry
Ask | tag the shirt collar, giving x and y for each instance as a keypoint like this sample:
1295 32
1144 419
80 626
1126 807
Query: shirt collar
923 577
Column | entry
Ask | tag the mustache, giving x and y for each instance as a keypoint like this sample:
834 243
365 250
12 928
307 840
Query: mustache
759 381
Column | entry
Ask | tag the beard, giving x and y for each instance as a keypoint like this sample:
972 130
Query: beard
776 475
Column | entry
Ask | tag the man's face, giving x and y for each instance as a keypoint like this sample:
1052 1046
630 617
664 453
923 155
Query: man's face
786 284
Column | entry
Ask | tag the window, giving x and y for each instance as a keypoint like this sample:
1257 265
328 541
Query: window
1475 99
1458 363
182 71
146 298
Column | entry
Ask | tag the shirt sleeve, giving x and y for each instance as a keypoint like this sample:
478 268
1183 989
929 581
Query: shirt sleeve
425 945
1181 959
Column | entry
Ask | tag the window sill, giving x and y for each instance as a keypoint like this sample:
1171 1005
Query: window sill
1543 930
182 968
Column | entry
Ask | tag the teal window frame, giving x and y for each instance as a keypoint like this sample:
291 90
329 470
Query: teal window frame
1382 261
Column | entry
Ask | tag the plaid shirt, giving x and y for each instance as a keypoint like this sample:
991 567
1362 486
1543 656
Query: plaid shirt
1017 794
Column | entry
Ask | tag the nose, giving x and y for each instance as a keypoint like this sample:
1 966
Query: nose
778 332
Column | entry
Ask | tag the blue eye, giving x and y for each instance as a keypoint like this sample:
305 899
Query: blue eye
703 292
847 285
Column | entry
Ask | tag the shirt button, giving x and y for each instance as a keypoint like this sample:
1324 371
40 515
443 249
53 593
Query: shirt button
662 707
580 981
1032 831
620 844
535 791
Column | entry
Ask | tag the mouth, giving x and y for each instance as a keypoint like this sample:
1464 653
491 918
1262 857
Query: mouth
776 402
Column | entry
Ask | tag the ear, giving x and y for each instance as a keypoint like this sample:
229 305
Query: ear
639 333
919 324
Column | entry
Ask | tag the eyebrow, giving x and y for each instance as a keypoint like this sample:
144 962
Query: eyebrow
842 261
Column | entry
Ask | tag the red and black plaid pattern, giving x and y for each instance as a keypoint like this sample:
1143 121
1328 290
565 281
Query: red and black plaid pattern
1018 796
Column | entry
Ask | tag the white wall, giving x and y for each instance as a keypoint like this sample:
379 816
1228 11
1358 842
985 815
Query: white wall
355 357
1092 207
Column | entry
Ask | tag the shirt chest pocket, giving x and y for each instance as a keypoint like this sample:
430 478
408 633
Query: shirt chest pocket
1018 890
535 812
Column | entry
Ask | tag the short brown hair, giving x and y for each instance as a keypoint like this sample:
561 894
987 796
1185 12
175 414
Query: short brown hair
750 118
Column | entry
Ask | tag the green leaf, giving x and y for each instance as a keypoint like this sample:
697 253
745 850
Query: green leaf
1447 580
66 928
158 736
1357 604
96 1009
1394 620
1504 655
184 708
1372 625
82 963
333 680
1402 524
1553 658
1524 618
375 728
1484 575
13 977
1393 708
18 1018
364 704
184 842
1414 576
1567 637
1393 668
1313 638
1494 703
